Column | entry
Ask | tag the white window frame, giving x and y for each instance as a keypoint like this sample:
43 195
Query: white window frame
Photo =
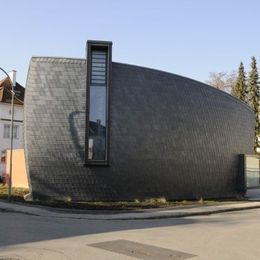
7 131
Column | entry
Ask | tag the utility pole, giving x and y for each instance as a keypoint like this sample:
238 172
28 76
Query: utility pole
13 84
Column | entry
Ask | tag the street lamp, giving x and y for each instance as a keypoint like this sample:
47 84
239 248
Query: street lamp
12 81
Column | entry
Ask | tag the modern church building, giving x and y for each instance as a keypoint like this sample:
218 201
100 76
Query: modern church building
101 130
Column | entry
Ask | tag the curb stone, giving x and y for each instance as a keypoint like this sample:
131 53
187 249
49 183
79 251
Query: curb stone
159 214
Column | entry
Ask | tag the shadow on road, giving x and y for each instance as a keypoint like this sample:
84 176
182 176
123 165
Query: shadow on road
18 228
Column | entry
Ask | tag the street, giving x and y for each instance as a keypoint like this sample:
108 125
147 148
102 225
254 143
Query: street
233 235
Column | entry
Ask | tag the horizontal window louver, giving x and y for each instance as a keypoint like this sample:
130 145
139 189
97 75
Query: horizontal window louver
98 69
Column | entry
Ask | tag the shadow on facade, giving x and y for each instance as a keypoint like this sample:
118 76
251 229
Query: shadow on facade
74 134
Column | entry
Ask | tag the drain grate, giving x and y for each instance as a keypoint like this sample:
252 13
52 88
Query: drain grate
141 251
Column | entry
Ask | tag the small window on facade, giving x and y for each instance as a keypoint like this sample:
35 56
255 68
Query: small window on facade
16 132
7 131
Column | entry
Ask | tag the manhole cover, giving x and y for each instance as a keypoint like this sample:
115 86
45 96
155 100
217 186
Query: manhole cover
141 251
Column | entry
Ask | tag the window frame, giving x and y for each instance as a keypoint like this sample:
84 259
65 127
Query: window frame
10 130
17 132
94 46
5 131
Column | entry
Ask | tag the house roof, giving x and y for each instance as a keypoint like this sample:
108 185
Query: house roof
5 92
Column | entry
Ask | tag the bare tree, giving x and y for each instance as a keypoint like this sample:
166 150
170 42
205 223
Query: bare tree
217 80
231 80
222 80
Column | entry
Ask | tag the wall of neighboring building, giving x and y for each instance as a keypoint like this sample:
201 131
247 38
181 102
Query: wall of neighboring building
18 142
252 167
169 136
19 175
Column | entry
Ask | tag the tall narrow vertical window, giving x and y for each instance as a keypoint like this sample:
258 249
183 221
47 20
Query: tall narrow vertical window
98 84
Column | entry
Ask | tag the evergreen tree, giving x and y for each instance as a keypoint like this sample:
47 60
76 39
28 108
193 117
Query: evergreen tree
240 87
253 98
253 85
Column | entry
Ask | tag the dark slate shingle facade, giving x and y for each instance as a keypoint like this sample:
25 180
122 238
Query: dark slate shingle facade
169 136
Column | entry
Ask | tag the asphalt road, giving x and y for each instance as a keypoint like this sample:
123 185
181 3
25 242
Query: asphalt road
233 235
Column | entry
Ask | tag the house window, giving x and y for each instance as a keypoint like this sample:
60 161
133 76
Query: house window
15 132
99 66
7 131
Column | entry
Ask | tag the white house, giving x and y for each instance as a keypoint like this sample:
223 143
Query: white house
5 120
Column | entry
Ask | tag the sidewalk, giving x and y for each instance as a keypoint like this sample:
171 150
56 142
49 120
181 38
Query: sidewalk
154 214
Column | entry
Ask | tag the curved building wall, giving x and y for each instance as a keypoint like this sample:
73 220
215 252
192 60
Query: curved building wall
169 136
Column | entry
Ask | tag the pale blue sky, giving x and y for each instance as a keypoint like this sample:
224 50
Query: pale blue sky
186 37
